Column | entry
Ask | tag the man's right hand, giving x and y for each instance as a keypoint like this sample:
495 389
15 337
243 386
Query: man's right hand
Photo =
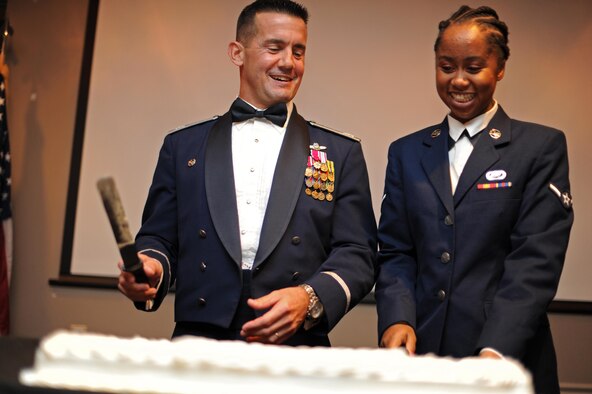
140 292
399 335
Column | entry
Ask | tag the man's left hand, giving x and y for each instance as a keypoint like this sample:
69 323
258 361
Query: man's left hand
286 311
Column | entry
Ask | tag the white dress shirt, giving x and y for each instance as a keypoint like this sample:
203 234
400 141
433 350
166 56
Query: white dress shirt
256 146
462 149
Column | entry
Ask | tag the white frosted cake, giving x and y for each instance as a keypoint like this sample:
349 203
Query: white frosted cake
85 361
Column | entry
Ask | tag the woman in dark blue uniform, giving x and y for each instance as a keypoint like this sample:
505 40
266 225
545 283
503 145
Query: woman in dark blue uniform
476 216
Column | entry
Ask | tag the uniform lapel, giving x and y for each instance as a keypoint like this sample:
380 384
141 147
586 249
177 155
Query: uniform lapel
219 181
287 184
435 164
484 154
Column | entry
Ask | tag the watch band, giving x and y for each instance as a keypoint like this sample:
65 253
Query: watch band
315 308
312 298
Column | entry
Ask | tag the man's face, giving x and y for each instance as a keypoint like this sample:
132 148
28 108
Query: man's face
271 61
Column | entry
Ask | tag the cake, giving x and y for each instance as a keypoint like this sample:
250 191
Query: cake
85 361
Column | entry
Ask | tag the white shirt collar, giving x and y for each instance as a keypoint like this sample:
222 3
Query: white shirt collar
473 126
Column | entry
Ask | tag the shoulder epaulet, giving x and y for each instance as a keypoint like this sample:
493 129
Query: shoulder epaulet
341 133
194 124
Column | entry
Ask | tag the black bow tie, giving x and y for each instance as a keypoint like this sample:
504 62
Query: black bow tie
242 111
465 133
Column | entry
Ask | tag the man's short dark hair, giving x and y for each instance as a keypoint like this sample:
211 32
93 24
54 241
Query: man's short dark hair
245 26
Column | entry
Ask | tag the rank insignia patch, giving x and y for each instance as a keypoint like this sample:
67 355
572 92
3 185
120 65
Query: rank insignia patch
565 197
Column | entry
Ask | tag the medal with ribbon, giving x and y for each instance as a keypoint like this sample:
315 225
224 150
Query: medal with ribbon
319 176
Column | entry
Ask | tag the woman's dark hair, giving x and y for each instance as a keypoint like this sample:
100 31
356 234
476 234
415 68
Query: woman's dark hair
488 20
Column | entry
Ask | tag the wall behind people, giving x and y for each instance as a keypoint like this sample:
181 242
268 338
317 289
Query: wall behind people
45 55
155 68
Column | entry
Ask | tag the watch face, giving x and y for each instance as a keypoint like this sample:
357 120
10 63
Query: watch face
316 311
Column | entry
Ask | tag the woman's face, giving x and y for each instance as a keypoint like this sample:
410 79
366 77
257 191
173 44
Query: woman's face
467 71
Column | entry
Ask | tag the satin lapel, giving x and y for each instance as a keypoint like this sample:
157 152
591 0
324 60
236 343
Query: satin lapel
287 184
220 192
484 154
435 164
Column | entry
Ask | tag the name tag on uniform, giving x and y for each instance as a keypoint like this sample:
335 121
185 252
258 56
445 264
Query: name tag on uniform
496 175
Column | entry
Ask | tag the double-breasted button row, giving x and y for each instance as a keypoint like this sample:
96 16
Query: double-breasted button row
201 301
441 295
295 240
202 233
445 257
203 266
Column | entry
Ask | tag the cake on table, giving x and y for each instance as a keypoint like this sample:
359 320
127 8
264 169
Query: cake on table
85 361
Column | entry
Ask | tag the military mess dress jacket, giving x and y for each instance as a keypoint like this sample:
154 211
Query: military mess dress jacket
190 224
478 268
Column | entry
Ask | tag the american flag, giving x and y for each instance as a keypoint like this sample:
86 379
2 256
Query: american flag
5 213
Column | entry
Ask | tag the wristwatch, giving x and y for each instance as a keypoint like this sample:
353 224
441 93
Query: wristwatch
315 308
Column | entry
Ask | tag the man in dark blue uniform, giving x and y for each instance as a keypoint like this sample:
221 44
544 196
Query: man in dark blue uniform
262 220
